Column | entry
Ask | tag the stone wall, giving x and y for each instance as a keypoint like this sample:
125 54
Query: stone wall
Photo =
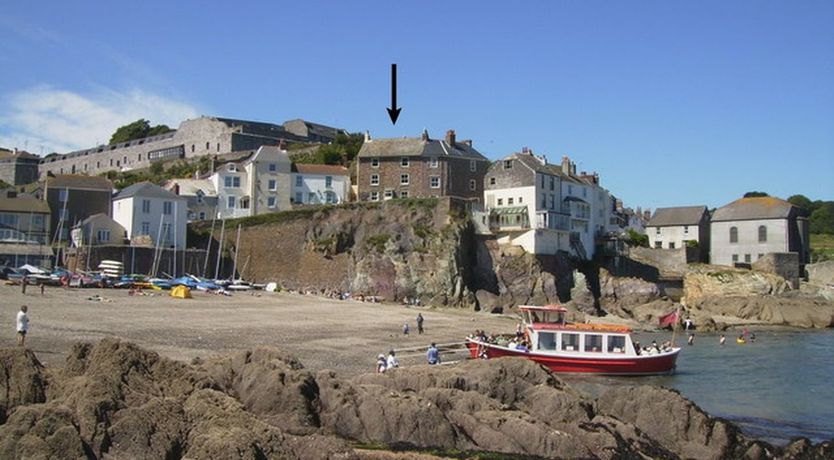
669 262
139 259
18 171
784 264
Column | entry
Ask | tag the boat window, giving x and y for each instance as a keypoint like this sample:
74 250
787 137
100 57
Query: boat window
593 342
547 341
570 342
616 344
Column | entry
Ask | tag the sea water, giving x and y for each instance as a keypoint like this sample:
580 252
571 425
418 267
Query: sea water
779 387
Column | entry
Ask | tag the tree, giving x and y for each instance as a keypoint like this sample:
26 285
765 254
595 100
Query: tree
801 201
822 219
636 239
755 194
137 130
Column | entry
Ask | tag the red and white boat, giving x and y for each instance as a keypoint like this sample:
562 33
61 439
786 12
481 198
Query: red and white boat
577 348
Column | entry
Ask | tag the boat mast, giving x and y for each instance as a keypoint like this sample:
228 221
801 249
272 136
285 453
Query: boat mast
219 249
211 236
237 246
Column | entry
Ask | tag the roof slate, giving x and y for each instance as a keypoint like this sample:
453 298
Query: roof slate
413 146
79 181
146 189
679 215
333 170
765 207
23 204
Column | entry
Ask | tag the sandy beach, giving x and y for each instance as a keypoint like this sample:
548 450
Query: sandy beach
323 333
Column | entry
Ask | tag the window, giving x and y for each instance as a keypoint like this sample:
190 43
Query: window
658 245
166 232
166 207
231 202
388 194
544 201
473 166
273 167
199 196
375 162
62 195
434 181
433 163
686 228
570 342
300 180
404 194
103 235
762 234
272 184
146 206
759 256
500 201
733 235
404 162
735 258
508 164
657 231
593 342
616 344
10 220
404 179
491 181
270 202
542 181
547 341
232 167
374 179
509 201
328 181
671 245
374 196
231 182
192 149
146 228
37 221
202 215
747 258
552 183
584 192
298 197
207 145
472 184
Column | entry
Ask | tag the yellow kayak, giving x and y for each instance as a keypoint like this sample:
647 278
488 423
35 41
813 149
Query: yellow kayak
741 341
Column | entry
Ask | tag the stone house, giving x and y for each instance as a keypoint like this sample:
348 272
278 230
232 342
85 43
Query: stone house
149 212
194 138
256 185
73 198
24 230
318 184
419 167
97 230
747 229
200 194
674 227
523 204
18 167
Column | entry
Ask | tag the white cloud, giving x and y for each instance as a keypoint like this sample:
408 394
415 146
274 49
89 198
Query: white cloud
44 119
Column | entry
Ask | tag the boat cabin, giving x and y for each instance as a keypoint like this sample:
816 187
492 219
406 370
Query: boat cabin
548 331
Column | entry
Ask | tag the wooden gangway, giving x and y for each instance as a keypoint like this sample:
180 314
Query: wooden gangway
451 352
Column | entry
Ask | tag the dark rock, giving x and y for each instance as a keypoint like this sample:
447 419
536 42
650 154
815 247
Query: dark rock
22 380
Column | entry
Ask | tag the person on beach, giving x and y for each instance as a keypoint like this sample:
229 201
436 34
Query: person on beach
23 283
419 323
392 360
381 365
722 340
22 325
405 328
433 354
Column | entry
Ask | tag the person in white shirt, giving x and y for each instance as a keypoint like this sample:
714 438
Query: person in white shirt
392 360
22 325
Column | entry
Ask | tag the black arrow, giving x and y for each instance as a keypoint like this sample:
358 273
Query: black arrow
394 112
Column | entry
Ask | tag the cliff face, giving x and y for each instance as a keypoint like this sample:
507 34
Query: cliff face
396 249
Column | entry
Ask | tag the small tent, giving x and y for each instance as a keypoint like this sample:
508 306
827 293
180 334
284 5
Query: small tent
181 292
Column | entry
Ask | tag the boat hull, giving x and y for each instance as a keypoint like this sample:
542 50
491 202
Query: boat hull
625 365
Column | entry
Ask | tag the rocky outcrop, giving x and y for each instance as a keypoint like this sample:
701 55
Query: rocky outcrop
22 380
723 295
115 400
821 273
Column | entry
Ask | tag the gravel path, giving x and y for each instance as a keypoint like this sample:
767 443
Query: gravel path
344 336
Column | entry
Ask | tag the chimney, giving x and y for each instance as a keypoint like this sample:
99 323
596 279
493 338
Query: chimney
468 142
450 137
573 168
425 136
565 165
282 145
525 150
176 188
367 136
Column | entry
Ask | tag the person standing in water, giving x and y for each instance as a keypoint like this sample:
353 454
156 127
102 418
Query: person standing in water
691 339
722 340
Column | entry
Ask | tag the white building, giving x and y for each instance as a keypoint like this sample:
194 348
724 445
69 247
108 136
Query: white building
257 185
747 229
591 207
200 194
148 210
318 184
672 228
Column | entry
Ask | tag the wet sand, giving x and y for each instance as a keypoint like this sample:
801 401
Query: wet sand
323 333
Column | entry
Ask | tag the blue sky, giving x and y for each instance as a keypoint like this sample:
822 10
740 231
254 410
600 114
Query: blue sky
673 103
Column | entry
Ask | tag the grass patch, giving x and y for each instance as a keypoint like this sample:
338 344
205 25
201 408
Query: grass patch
377 242
822 247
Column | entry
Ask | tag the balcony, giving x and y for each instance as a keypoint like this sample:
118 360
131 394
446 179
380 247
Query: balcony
552 220
509 219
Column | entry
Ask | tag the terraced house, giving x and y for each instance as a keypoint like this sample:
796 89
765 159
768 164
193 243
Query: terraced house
419 167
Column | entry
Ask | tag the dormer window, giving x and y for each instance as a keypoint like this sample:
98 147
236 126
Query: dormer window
508 164
232 167
404 162
375 162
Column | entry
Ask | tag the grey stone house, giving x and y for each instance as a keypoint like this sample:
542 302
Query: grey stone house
747 229
72 198
419 167
675 227
18 167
